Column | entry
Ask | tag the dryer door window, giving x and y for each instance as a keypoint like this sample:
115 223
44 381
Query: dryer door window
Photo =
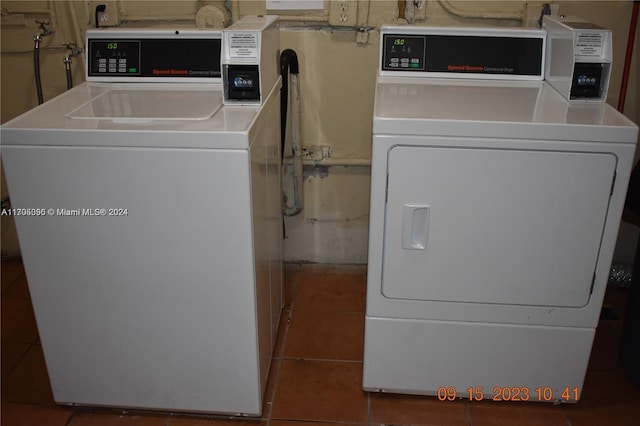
496 226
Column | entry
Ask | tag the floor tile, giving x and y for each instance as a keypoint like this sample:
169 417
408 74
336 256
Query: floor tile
316 373
416 410
291 282
325 335
28 382
270 391
10 270
327 391
113 419
285 318
12 353
34 415
18 321
489 413
203 421
607 398
294 423
331 290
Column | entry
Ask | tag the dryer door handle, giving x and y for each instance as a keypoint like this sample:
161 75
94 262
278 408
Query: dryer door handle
415 226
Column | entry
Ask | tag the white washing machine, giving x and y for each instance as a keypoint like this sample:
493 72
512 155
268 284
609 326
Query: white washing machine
147 203
495 206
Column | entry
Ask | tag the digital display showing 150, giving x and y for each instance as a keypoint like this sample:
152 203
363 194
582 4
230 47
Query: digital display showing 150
398 42
112 45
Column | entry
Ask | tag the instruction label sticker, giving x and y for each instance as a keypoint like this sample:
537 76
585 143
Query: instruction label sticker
243 45
589 43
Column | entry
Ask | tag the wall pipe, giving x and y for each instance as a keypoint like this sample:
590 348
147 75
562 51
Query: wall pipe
628 55
462 13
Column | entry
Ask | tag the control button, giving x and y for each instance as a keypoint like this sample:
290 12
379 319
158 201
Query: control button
415 60
112 69
404 60
394 60
394 65
122 61
122 69
404 65
102 61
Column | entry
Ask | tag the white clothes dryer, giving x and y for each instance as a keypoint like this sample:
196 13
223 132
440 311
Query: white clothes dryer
495 206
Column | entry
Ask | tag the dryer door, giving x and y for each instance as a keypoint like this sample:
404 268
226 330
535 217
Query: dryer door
498 226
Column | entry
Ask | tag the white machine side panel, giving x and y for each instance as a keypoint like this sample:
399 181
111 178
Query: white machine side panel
166 319
267 224
495 226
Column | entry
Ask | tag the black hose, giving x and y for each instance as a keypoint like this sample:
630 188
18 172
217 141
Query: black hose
99 9
36 67
288 63
67 65
546 10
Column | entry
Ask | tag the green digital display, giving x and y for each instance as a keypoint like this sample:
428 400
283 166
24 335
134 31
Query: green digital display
398 42
112 46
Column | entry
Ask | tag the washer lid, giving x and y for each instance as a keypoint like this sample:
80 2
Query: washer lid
138 115
142 104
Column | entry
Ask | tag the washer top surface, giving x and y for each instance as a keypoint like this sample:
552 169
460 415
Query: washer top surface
143 104
492 108
160 114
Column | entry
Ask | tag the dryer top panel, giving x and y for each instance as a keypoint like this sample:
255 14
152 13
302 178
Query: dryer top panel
492 108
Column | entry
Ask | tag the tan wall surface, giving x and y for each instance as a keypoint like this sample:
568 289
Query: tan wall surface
336 84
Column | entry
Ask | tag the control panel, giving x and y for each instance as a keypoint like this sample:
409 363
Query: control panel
115 57
489 53
153 55
404 52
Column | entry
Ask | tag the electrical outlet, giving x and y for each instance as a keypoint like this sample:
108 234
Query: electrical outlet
110 17
343 13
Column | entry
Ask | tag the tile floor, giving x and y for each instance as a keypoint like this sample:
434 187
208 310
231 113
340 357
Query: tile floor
316 372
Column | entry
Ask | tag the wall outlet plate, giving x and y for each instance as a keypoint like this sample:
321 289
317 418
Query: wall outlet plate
111 15
343 13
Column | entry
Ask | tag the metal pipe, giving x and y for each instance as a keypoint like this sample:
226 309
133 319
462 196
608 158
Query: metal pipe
303 18
343 162
332 162
470 14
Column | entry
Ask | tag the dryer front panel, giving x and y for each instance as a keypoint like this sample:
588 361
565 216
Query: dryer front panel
494 226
